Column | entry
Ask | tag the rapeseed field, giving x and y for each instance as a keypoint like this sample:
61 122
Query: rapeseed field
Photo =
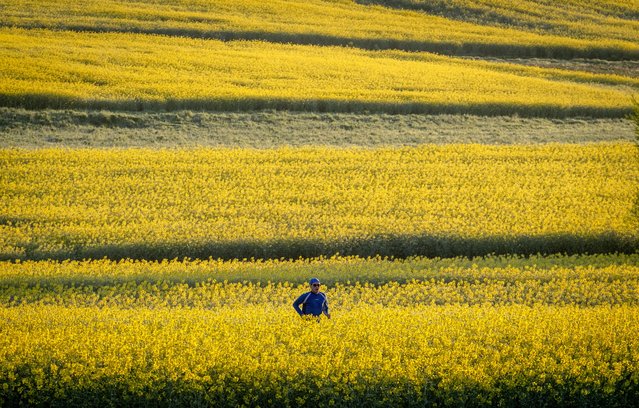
140 72
235 203
455 274
492 331
587 29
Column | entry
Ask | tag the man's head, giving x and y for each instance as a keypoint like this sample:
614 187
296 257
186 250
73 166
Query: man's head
315 285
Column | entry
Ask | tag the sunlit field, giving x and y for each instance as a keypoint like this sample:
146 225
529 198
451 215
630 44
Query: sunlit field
586 19
235 203
558 330
587 29
140 72
461 175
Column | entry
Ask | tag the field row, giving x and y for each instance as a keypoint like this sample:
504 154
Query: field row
241 203
377 270
370 355
205 285
605 30
62 69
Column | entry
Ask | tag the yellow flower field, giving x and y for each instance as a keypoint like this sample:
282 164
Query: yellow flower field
456 275
494 331
256 355
133 71
352 282
234 203
586 19
597 29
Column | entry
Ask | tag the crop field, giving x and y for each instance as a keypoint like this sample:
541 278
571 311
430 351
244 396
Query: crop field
573 18
224 56
461 175
228 203
141 72
497 331
589 29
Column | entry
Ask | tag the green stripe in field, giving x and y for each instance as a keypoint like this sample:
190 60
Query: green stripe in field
271 129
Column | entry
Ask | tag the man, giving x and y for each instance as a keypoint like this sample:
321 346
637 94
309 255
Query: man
314 303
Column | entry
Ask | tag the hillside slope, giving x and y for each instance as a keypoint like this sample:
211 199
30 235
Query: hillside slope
576 31
61 69
586 19
194 54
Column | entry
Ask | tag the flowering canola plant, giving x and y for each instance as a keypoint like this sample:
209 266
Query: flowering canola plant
101 305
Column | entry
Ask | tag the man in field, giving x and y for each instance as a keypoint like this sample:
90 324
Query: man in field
314 303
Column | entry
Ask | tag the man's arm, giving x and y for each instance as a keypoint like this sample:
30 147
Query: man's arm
297 303
325 307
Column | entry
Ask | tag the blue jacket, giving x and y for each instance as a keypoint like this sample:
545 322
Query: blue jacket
312 304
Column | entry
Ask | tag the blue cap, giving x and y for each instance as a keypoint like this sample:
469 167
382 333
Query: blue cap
313 280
